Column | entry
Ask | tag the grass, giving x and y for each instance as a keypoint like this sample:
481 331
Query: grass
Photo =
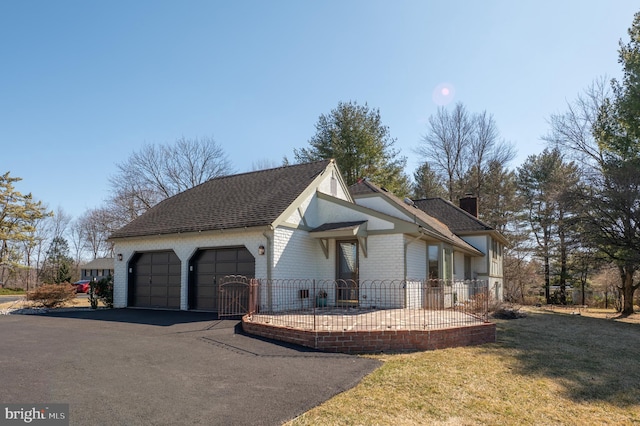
11 291
74 303
550 368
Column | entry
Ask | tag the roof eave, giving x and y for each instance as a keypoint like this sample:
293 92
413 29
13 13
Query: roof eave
496 234
260 228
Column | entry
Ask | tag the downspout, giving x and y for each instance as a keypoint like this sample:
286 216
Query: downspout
269 258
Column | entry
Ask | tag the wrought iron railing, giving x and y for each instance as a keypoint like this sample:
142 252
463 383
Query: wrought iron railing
368 305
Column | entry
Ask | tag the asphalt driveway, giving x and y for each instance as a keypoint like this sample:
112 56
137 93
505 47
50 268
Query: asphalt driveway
144 367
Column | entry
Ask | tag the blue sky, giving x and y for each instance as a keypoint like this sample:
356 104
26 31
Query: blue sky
84 84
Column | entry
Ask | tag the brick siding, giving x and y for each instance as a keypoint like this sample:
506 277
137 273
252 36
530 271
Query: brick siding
359 342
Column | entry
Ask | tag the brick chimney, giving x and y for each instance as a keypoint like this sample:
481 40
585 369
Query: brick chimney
469 204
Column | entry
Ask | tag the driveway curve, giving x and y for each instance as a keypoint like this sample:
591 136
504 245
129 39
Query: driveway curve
146 367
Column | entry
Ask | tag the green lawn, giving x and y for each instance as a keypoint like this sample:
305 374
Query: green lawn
10 291
546 369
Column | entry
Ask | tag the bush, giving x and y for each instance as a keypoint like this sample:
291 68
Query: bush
508 312
535 300
11 291
478 303
52 295
101 290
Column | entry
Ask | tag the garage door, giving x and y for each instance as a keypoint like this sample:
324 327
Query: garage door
209 266
154 280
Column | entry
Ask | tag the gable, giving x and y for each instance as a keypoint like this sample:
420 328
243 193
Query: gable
367 194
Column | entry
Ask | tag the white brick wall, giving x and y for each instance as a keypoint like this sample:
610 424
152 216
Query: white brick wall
385 258
296 255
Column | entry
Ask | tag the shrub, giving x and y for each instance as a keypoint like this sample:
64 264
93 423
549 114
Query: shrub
101 290
52 295
478 303
508 312
535 300
93 296
11 291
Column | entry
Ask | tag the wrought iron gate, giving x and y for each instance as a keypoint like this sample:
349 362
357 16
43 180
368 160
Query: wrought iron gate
233 299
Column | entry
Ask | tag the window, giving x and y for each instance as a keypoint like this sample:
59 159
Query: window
434 267
494 248
467 267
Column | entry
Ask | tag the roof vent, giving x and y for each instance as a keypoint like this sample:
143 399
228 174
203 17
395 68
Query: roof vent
409 201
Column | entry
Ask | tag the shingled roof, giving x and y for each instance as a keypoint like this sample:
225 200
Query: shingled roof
364 188
230 202
458 220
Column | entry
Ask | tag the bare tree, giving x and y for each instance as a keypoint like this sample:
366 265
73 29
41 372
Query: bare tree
446 143
264 164
462 148
94 226
59 223
160 171
486 150
77 238
572 131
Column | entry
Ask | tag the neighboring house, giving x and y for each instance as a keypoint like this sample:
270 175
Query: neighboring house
292 222
97 269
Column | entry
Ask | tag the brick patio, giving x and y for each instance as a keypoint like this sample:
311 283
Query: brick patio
373 331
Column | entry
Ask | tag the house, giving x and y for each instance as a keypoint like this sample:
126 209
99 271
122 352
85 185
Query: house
292 222
446 260
464 222
97 269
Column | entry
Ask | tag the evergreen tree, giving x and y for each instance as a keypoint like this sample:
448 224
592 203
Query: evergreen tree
362 146
58 262
611 206
546 183
499 201
427 183
18 213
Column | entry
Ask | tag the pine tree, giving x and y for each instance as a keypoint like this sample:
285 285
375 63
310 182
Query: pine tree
427 183
58 262
612 205
362 146
18 213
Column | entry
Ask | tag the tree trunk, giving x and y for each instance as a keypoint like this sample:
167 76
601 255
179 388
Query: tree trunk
547 280
563 268
628 289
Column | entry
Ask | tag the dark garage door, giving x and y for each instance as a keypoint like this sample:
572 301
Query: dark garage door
209 266
154 280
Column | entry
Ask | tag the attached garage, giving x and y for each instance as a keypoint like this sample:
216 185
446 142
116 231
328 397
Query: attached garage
154 280
208 266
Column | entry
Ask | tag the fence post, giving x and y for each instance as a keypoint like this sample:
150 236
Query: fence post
253 287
